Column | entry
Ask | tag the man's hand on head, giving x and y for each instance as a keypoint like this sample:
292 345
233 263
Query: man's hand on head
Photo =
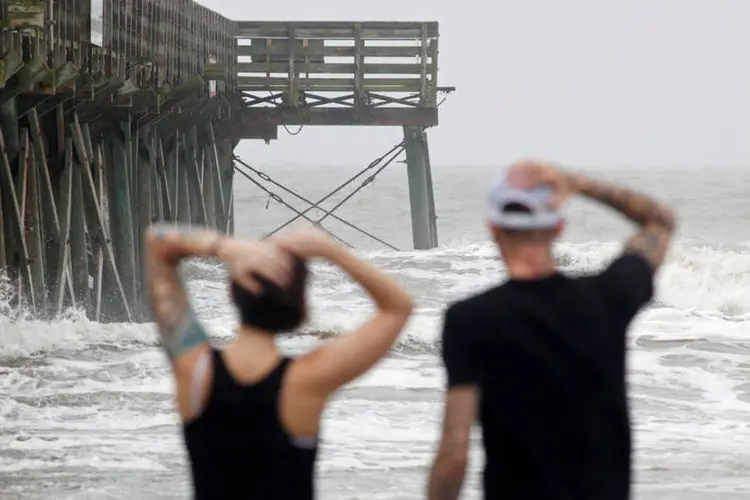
528 174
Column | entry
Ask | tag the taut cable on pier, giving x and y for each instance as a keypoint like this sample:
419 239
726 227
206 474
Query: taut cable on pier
373 164
279 199
394 153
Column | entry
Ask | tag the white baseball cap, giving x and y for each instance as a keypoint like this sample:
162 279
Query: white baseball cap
537 200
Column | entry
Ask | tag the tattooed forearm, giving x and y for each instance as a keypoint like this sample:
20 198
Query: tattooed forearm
187 334
179 329
657 221
183 241
652 243
638 207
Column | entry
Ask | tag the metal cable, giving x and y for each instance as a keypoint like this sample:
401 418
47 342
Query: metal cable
287 205
364 183
266 178
372 164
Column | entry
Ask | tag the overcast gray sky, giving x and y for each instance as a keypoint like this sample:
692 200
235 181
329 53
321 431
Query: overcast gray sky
586 82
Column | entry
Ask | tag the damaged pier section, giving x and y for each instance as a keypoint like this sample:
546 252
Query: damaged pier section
113 119
102 133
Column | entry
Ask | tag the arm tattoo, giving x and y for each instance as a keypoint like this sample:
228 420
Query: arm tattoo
186 241
638 207
651 242
657 222
188 334
179 329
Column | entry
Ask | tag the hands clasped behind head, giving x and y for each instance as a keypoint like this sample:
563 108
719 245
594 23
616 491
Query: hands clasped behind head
247 259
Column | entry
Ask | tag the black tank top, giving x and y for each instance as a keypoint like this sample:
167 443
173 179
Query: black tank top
238 447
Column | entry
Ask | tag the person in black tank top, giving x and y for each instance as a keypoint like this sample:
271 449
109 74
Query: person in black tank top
251 416
540 359
238 444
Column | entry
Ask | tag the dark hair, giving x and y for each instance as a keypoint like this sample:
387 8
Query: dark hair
275 309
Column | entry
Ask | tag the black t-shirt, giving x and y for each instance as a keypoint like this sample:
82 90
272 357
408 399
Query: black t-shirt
549 358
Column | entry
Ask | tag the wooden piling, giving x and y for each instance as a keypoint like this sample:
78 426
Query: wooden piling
63 281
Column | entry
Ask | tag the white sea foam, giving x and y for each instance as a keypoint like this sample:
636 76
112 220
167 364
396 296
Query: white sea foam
696 282
77 395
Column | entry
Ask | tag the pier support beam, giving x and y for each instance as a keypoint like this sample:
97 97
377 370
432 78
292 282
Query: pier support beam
421 197
78 194
226 171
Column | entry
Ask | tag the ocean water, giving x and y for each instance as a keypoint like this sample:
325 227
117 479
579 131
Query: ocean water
86 410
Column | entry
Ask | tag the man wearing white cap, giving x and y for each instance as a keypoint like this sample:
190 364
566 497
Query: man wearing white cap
540 359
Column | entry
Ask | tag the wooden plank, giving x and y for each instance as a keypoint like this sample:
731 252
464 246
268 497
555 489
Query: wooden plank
375 30
157 205
120 211
330 84
142 219
78 252
197 203
63 254
22 177
426 117
430 99
263 131
230 219
173 164
425 68
34 229
259 52
157 200
3 249
26 283
226 167
184 212
164 182
51 220
99 254
25 14
279 50
333 69
209 188
212 155
133 171
359 65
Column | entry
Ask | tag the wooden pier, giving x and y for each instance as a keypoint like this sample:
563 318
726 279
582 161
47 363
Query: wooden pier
106 127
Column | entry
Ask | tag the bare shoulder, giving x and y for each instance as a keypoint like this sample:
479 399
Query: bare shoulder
194 381
300 405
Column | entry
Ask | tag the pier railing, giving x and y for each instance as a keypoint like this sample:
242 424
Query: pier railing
335 73
149 51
